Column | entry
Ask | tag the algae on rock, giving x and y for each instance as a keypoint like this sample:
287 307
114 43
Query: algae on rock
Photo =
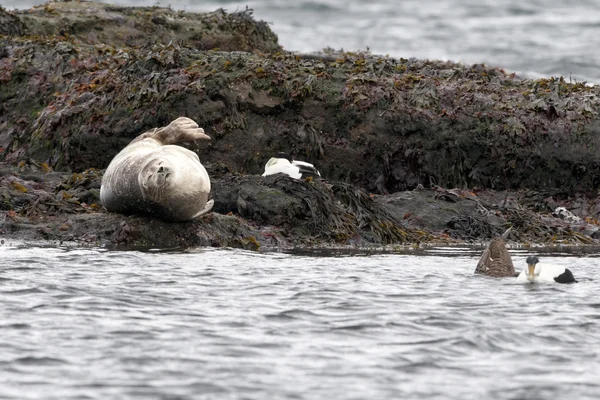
79 80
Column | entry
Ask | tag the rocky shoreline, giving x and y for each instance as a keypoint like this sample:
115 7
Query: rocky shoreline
389 136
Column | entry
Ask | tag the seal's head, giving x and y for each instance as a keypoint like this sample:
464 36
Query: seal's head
156 177
174 185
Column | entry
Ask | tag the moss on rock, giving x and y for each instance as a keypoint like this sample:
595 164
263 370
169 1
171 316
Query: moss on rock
98 23
79 80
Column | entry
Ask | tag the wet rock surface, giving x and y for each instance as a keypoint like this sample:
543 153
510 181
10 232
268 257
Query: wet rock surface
275 212
388 135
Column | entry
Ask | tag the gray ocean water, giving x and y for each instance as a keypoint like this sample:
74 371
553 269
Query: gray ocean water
535 38
230 324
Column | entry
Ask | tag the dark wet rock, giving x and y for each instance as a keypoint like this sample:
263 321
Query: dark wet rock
429 209
54 211
459 214
313 210
252 211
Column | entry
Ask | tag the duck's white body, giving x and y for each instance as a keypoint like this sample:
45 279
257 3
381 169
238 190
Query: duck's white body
294 169
547 273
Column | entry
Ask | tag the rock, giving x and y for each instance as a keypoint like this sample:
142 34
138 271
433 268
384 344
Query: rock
355 118
10 24
89 77
254 212
117 26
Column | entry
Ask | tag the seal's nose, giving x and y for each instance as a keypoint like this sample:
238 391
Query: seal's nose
165 171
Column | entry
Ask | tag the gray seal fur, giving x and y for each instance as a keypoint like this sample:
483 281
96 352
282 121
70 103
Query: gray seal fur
153 176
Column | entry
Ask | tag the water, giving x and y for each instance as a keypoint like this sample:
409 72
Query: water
229 324
535 38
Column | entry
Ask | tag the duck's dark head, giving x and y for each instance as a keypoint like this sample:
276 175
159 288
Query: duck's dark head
531 261
282 154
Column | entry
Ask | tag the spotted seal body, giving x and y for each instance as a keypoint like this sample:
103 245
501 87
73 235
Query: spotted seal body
153 176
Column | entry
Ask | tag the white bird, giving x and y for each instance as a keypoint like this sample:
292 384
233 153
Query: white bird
283 163
544 273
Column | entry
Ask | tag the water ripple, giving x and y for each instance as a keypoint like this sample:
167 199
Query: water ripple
237 324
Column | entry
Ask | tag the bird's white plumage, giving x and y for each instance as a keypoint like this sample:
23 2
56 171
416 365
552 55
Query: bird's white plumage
282 166
292 169
304 164
544 273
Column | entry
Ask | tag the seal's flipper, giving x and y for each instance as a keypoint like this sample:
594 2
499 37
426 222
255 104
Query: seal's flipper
206 209
182 129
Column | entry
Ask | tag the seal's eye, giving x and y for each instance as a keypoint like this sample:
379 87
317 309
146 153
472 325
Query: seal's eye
161 169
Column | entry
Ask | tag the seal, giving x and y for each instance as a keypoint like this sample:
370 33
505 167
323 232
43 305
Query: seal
153 176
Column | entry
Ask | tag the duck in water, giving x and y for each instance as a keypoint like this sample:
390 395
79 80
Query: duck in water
495 260
544 273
